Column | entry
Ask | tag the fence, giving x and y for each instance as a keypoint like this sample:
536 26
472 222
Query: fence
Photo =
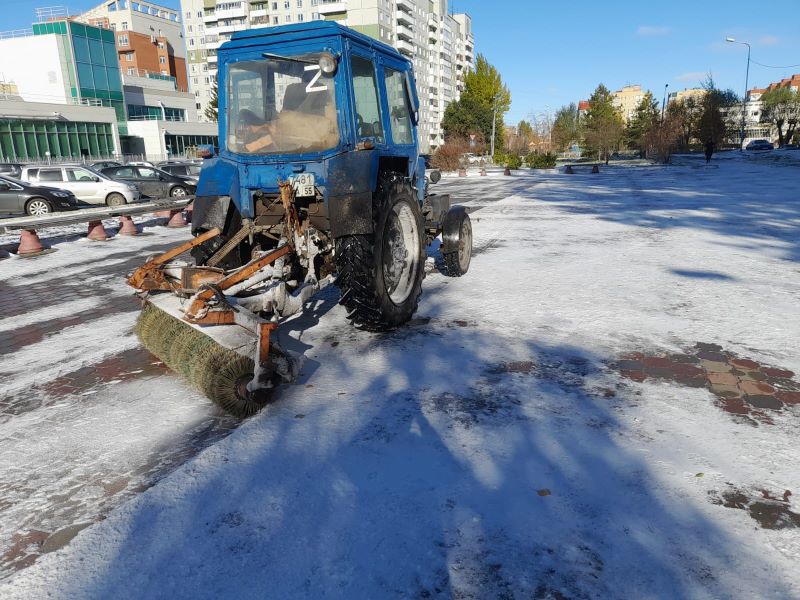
30 245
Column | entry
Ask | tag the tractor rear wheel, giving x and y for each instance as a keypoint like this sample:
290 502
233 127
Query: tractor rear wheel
380 275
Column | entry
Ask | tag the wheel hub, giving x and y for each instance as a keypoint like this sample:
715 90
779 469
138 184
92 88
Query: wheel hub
399 257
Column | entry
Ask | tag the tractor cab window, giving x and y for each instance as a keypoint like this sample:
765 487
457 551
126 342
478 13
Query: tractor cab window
365 89
399 111
281 106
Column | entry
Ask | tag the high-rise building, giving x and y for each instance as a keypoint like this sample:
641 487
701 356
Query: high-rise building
441 45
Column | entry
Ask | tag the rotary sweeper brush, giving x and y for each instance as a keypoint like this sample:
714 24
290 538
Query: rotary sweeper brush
318 180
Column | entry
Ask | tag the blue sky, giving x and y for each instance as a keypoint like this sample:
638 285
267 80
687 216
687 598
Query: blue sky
553 53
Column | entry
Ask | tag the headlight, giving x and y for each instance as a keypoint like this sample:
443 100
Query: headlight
132 188
61 194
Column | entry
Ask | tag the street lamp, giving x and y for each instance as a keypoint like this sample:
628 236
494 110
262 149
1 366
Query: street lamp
664 101
744 98
494 121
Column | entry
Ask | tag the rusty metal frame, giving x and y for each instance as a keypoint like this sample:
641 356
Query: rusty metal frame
150 276
200 299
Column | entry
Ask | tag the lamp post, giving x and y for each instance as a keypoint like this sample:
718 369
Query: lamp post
744 98
494 122
664 102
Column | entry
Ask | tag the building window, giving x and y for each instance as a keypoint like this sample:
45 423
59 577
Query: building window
162 60
131 71
286 4
123 40
315 16
188 14
288 19
160 45
129 56
274 6
275 20
299 18
299 3
124 26
189 29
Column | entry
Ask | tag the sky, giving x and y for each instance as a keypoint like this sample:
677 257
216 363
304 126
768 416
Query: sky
551 53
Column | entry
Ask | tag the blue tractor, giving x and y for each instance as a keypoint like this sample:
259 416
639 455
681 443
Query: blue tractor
318 180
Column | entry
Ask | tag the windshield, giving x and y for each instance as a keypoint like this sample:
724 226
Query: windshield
281 106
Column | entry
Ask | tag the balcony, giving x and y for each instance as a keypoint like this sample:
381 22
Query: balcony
433 22
405 6
405 47
405 18
261 12
404 32
327 7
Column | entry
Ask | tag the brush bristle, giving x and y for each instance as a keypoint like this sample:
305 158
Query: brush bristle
213 369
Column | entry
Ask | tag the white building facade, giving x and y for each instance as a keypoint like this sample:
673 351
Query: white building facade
440 45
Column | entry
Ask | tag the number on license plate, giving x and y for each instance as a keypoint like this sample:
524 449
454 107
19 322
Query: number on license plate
304 185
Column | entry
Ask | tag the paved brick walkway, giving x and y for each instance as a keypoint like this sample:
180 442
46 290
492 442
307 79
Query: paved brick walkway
78 439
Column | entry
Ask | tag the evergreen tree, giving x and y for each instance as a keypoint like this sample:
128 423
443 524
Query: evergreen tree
566 127
484 91
645 119
711 124
603 124
212 109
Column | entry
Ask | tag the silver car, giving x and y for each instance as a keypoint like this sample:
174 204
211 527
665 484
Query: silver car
87 184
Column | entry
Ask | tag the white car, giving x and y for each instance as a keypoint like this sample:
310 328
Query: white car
88 185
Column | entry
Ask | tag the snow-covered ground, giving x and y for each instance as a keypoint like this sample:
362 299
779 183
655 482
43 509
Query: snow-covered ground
490 449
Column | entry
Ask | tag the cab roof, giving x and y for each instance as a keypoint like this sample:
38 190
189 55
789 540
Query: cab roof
305 31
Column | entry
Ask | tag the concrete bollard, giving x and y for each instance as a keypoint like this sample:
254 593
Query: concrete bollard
29 243
506 171
595 169
176 219
462 172
127 226
483 172
568 170
97 232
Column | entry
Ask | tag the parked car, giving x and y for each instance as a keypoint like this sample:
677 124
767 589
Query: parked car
20 197
104 164
12 170
758 145
188 170
87 184
789 147
151 181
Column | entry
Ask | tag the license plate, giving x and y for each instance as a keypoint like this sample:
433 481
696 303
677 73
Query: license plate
304 185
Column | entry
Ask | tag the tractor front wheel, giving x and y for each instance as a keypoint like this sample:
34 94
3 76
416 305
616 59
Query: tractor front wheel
380 275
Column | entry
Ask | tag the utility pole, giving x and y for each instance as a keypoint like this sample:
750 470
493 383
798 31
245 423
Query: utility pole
744 97
664 102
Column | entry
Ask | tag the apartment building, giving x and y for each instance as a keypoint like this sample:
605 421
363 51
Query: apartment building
440 44
149 37
627 100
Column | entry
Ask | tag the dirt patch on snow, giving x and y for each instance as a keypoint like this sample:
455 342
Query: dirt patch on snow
769 510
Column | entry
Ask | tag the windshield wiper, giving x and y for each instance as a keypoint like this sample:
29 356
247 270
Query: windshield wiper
289 58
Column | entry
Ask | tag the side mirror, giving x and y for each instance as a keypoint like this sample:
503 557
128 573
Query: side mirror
435 176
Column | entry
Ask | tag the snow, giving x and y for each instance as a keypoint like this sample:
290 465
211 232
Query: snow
487 450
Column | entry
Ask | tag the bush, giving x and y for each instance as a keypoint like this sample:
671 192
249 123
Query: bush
541 161
512 160
449 156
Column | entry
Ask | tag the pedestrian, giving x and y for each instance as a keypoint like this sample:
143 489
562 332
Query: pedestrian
710 145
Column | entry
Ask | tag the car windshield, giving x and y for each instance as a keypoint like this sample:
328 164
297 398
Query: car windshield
279 106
